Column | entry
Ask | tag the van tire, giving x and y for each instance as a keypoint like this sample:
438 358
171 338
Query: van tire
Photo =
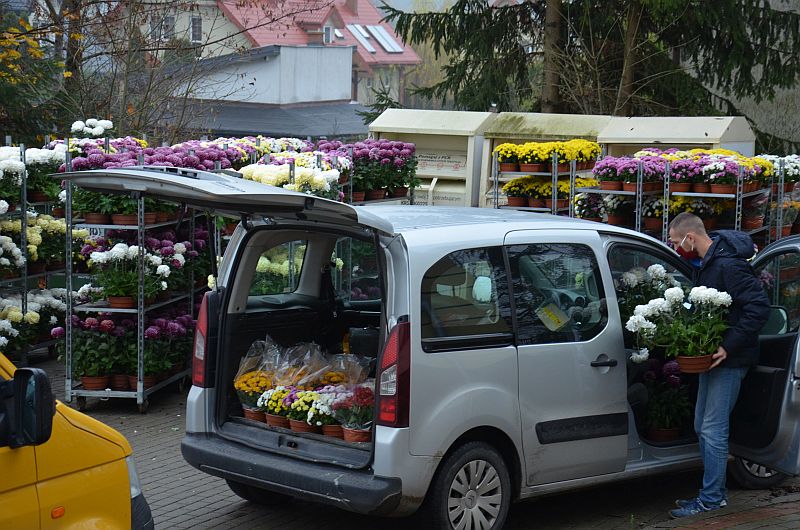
751 476
486 463
256 495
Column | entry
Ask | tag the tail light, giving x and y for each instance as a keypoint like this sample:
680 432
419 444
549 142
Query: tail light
200 346
394 382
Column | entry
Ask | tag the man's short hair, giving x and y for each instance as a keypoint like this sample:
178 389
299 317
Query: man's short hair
686 222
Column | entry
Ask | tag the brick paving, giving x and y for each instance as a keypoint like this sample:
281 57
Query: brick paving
182 497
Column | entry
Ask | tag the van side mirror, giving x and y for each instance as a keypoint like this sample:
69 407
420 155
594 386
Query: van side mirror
26 412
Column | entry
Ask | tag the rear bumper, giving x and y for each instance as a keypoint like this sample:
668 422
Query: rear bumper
354 490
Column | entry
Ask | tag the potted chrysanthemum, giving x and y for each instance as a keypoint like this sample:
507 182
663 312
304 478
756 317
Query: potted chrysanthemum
687 328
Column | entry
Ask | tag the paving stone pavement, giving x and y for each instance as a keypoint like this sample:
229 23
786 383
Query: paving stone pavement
182 497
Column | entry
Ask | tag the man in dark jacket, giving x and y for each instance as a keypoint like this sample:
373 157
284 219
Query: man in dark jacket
724 267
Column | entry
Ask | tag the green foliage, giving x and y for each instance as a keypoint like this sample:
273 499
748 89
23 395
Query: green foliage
667 406
39 179
93 353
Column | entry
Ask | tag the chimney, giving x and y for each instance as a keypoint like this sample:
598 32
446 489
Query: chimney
352 5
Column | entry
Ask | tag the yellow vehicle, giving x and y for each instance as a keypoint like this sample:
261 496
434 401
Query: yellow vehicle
60 468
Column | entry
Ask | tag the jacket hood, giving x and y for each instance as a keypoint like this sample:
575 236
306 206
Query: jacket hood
732 244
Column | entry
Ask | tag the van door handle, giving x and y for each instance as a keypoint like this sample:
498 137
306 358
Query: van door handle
607 362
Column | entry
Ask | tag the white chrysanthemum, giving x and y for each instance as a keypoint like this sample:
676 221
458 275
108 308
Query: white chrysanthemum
657 271
722 299
62 196
629 279
3 206
674 295
658 306
180 259
106 124
99 257
640 356
133 252
118 252
163 286
77 126
91 122
163 270
638 323
180 248
643 310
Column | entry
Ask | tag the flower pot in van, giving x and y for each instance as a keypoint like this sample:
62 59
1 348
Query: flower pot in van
357 435
301 426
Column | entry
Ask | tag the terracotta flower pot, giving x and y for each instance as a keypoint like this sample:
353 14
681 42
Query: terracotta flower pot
230 228
628 186
399 192
617 220
301 426
376 195
509 166
535 203
563 167
133 381
122 302
357 435
56 265
59 212
652 186
516 202
100 382
124 219
334 431
533 168
680 186
120 382
560 203
163 217
36 267
275 420
255 415
11 275
751 223
37 196
701 187
694 365
96 218
723 188
359 196
652 223
343 177
659 434
615 185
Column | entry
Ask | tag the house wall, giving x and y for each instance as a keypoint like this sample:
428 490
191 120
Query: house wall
388 76
297 75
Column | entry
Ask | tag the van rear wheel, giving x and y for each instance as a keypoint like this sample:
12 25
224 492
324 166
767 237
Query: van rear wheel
752 476
471 490
256 495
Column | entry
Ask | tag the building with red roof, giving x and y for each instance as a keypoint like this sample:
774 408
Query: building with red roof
380 58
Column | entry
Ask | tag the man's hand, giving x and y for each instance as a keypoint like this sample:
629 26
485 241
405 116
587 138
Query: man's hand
718 357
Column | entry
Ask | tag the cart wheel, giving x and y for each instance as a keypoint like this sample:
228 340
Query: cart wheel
143 406
183 385
81 402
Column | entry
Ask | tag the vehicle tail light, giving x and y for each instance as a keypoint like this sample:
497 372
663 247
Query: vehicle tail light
394 382
200 346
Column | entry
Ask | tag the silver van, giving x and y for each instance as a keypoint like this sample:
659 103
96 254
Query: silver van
501 365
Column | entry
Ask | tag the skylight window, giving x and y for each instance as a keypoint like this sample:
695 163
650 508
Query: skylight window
385 40
356 31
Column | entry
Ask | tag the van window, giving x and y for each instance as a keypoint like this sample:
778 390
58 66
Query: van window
634 281
278 269
558 293
355 276
465 293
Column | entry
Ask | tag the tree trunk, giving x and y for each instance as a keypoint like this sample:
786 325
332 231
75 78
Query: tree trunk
552 46
624 104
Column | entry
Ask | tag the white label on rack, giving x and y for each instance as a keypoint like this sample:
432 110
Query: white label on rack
94 231
442 163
